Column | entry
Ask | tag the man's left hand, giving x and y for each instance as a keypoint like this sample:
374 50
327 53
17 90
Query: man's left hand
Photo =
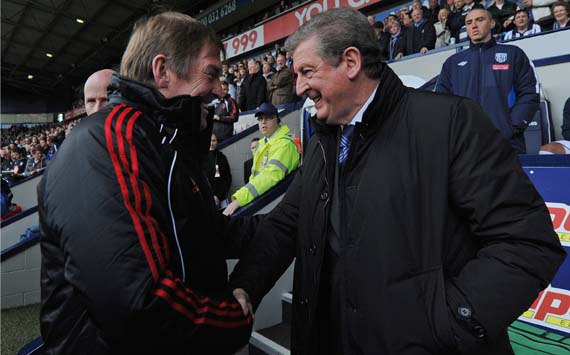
232 207
423 50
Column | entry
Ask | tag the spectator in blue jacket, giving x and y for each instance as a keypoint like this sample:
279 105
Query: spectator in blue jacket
501 78
52 147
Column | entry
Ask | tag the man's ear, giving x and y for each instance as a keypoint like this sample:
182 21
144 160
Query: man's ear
159 71
353 60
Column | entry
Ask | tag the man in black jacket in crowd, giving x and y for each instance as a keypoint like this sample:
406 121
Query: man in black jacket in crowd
253 89
414 228
502 10
421 36
226 113
395 47
133 249
217 169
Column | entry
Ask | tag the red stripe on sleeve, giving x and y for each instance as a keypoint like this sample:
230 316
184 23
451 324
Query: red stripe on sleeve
201 320
125 190
133 174
155 223
178 285
205 307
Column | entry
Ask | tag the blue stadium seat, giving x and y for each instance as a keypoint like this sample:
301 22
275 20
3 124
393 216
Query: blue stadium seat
540 131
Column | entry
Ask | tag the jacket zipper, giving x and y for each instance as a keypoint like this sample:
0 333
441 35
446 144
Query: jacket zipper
479 74
172 216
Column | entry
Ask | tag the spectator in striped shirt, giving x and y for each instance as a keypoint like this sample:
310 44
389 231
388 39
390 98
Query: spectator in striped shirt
523 27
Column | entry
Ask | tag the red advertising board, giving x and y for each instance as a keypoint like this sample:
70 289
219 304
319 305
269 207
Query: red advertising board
74 113
286 24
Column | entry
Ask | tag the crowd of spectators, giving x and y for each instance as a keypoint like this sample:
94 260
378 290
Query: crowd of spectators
267 79
417 29
26 150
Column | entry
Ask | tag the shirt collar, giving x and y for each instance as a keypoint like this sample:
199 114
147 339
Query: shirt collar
267 139
360 113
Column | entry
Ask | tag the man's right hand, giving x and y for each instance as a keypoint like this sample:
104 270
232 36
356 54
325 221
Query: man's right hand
243 298
232 207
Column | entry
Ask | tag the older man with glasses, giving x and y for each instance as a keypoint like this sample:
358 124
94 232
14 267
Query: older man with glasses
275 157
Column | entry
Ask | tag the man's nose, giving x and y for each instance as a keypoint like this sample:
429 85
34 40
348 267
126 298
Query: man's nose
301 86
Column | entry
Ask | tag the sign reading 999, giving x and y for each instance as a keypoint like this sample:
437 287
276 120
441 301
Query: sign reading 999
244 42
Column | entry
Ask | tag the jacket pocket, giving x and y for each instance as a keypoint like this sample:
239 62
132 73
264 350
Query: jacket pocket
432 289
415 319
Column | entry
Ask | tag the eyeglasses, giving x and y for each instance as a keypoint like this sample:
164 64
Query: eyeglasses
265 118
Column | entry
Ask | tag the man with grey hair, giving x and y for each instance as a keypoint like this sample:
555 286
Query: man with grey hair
253 90
133 248
411 221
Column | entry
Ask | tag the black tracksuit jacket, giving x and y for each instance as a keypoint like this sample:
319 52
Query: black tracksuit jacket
133 250
444 239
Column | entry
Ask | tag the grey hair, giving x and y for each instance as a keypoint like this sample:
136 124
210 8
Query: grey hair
336 30
254 62
179 37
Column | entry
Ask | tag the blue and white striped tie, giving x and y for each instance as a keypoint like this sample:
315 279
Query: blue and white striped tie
344 146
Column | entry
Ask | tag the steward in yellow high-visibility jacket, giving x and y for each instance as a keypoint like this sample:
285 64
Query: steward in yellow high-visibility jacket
275 157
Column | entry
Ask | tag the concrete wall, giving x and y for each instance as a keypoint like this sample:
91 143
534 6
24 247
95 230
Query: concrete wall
10 234
25 195
20 279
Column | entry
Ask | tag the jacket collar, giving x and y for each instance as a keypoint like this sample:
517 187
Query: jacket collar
178 117
388 95
486 45
283 130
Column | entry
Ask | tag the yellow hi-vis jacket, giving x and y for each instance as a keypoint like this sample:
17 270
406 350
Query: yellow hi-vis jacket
272 161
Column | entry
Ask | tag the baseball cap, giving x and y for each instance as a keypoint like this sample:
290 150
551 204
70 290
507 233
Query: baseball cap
266 109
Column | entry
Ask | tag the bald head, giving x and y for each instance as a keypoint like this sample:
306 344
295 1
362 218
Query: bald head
95 90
